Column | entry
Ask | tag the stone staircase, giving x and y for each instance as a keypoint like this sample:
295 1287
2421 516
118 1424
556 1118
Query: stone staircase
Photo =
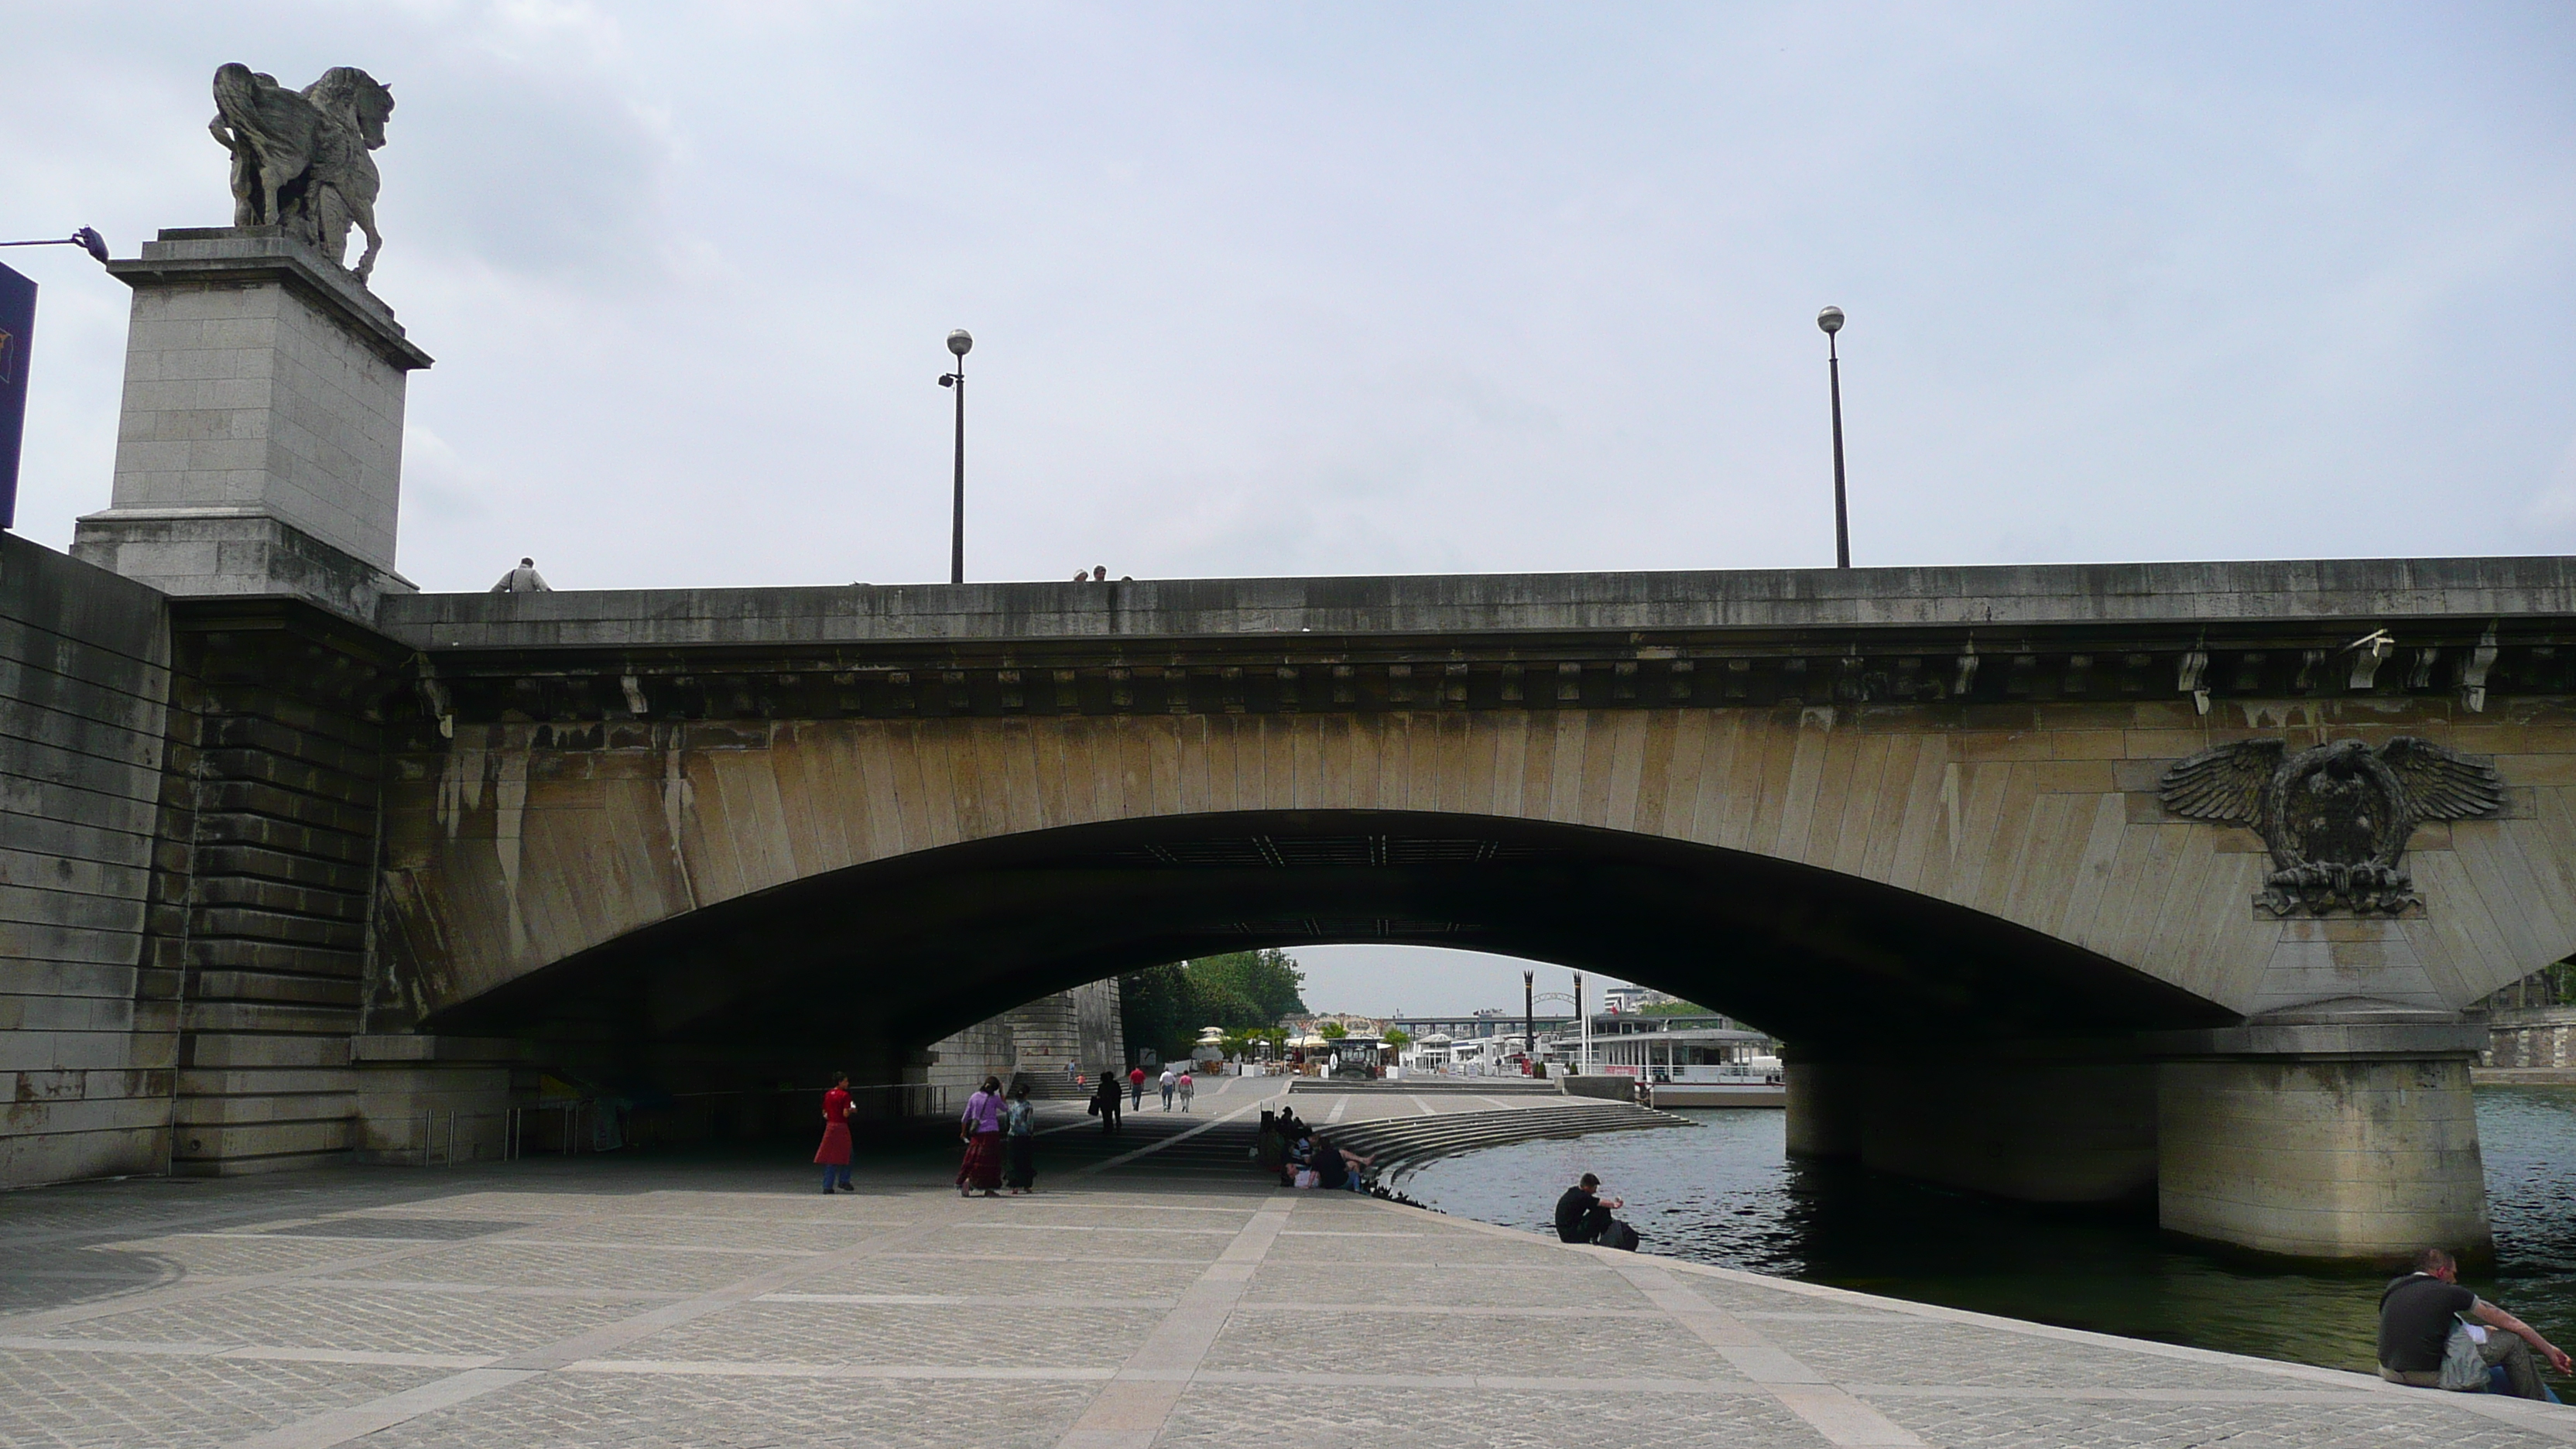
1399 1142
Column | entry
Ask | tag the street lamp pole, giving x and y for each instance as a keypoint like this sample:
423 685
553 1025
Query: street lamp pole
958 343
1529 1019
1831 319
1582 1030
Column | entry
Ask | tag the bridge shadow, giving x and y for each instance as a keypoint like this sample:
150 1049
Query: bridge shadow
885 957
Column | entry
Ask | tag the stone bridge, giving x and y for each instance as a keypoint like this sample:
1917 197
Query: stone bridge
294 853
1908 820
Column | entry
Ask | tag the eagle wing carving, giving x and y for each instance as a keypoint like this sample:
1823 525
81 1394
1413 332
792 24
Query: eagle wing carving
2225 783
2441 785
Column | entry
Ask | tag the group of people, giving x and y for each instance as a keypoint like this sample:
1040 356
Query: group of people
1115 1094
1303 1156
1000 1133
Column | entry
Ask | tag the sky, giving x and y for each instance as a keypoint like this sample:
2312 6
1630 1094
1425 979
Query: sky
1271 289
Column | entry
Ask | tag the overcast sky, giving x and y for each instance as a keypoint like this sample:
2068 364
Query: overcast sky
1336 289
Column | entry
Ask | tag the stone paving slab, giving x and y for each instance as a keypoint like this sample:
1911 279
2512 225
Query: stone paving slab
647 1303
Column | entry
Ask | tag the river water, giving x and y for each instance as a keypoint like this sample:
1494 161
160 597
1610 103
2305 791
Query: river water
1725 1192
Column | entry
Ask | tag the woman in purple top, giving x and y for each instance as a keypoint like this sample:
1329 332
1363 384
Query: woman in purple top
981 1130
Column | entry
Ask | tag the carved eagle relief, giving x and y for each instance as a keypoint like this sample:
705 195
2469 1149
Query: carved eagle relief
2336 817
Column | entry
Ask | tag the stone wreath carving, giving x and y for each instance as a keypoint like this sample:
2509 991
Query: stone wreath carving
300 157
2336 817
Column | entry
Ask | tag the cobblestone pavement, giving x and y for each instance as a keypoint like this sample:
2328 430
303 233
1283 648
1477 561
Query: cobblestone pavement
1150 1295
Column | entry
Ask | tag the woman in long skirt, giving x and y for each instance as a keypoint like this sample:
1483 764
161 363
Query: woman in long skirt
834 1154
1020 1141
981 1129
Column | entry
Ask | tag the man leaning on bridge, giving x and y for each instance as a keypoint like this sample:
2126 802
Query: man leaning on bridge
523 580
2419 1315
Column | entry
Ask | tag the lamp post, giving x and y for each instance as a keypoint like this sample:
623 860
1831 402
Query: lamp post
86 239
1582 1031
1831 319
17 329
1529 1019
958 343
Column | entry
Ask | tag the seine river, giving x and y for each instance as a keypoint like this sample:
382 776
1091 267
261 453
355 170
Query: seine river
1726 1193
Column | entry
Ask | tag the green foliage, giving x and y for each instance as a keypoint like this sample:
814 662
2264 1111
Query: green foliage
1675 1008
1268 978
1332 1031
1164 1007
1398 1037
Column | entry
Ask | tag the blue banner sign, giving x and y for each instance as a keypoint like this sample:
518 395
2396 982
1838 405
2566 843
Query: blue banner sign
17 327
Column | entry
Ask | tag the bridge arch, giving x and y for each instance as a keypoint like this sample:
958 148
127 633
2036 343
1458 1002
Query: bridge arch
515 849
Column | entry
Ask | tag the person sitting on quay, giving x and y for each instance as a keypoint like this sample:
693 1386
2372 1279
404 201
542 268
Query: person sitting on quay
2424 1344
1335 1167
1583 1216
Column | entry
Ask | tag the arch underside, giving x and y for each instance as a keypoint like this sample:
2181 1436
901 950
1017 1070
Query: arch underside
909 949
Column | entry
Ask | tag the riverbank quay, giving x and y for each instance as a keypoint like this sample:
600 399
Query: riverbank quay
1135 1301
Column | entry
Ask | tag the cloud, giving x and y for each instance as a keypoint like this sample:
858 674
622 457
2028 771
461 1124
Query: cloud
1347 289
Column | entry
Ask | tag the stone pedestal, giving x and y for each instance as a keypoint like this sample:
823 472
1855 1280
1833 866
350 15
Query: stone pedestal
2349 1138
260 447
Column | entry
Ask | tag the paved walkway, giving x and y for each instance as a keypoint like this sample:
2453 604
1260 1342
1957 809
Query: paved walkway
1151 1294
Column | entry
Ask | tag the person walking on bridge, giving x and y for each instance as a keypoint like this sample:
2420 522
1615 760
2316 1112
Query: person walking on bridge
1171 1083
834 1154
980 1128
522 580
1188 1088
1136 1088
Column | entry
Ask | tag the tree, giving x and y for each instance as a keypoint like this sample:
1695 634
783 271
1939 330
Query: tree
1164 1007
1398 1038
1332 1031
1268 978
1675 1008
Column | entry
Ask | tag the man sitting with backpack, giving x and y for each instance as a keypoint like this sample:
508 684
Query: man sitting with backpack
2422 1341
1583 1216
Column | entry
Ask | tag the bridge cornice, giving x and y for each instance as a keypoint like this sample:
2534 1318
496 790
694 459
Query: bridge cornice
1999 635
2187 595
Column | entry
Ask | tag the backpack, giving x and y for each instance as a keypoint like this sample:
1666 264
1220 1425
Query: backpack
1619 1235
2464 1370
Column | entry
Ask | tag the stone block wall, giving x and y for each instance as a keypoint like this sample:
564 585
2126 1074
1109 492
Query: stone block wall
278 761
1078 1026
2532 1036
87 1016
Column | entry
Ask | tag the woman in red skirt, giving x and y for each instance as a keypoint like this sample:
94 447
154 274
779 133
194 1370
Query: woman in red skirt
981 1129
834 1154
